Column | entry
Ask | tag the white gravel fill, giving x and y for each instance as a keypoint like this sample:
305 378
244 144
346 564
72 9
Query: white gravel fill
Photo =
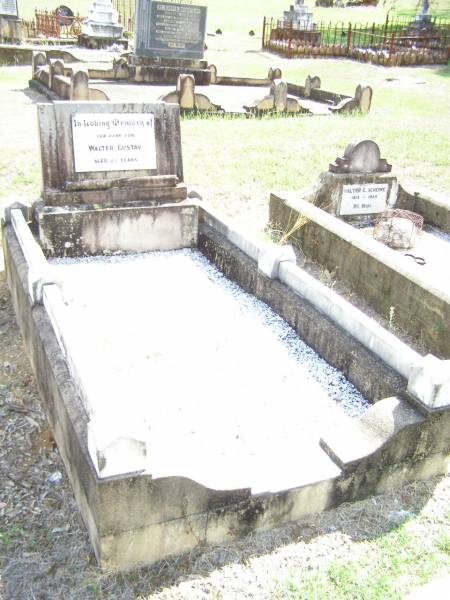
229 393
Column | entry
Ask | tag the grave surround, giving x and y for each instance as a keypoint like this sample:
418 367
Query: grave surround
134 517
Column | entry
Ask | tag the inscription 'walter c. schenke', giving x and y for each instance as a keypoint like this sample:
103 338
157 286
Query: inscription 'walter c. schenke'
113 142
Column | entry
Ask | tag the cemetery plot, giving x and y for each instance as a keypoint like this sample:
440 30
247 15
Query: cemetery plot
357 224
190 410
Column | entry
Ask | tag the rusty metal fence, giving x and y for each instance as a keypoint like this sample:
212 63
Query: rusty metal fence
393 43
50 24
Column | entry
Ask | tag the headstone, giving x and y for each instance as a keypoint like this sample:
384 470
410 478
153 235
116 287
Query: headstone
8 8
109 154
213 70
102 21
357 185
298 17
169 30
279 92
38 60
80 85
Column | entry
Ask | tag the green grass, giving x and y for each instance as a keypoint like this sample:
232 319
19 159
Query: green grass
385 568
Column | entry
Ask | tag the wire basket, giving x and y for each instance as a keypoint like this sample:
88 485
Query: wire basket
398 228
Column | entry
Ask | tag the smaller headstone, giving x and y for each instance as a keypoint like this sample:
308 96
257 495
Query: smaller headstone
186 89
277 74
315 82
365 99
213 70
358 185
38 60
363 157
279 91
80 85
308 86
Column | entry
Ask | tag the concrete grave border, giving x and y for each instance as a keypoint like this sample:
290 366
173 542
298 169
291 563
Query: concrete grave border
134 519
423 307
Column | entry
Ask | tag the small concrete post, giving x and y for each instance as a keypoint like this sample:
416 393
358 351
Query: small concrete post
213 70
79 85
365 99
279 91
38 60
277 74
308 87
186 89
56 67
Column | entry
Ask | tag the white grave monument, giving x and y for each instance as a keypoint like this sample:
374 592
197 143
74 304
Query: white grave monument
299 16
102 21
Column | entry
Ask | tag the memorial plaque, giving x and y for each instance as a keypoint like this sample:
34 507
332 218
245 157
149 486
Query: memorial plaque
364 199
113 142
170 30
8 8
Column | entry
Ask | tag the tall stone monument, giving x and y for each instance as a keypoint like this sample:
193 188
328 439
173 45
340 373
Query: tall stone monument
298 16
101 26
10 24
170 41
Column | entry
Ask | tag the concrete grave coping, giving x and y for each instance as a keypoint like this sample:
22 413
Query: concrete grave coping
134 518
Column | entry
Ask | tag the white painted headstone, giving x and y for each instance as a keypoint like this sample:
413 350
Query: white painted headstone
113 141
8 8
364 199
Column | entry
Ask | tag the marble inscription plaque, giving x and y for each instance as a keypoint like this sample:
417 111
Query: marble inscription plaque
8 7
113 142
364 199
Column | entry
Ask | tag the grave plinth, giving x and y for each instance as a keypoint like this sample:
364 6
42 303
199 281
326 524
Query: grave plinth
357 185
170 41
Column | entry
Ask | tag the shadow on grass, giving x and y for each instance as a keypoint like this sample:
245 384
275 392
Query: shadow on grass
444 71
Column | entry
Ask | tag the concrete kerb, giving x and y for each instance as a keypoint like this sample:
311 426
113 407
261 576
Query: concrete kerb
374 337
157 529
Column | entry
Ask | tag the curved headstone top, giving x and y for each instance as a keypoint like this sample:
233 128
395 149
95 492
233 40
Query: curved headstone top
361 157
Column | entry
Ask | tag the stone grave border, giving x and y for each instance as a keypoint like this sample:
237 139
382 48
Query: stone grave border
403 437
422 309
53 78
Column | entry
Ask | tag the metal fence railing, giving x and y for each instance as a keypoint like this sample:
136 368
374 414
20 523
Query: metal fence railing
125 8
363 41
50 24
